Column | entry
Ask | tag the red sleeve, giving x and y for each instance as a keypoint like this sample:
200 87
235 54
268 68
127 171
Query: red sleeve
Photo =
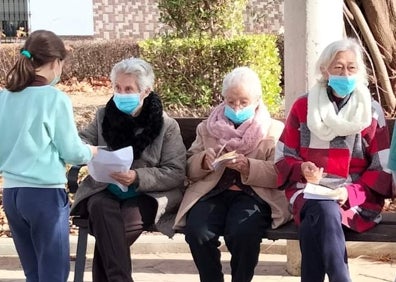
288 160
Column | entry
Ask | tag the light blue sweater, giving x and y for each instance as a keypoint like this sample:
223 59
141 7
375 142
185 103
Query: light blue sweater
38 137
392 152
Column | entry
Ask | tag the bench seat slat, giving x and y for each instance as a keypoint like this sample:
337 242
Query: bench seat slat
383 232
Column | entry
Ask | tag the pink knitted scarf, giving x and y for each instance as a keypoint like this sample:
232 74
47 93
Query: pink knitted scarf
246 137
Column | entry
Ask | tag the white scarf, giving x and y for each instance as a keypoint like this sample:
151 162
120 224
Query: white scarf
326 123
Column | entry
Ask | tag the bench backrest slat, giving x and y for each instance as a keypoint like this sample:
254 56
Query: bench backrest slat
188 127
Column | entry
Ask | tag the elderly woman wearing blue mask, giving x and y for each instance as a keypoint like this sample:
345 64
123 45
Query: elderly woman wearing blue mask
236 199
132 117
332 159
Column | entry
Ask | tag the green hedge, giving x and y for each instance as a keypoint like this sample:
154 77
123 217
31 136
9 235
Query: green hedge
86 58
190 71
96 58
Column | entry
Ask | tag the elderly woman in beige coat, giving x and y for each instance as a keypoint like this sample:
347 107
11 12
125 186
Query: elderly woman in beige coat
132 117
238 198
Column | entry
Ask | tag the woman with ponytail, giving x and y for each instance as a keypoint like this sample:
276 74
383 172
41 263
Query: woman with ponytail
39 137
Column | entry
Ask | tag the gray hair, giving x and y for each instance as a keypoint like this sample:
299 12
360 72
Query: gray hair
330 52
139 68
245 76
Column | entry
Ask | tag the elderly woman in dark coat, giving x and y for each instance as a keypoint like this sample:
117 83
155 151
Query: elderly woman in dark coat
132 117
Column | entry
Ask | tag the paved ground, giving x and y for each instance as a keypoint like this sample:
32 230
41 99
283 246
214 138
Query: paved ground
175 267
178 266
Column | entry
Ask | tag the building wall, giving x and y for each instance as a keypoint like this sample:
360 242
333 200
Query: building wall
115 19
13 15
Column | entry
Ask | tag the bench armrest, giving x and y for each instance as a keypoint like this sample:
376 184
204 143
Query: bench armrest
72 178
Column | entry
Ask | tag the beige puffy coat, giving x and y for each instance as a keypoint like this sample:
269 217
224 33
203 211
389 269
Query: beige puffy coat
262 175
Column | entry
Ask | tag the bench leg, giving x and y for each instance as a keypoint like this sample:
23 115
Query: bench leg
81 254
293 265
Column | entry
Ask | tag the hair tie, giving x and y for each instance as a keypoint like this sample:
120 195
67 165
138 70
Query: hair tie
26 53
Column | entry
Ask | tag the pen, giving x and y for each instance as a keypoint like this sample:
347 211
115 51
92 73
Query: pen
221 150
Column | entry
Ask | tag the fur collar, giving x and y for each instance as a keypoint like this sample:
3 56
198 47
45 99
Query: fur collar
122 130
324 121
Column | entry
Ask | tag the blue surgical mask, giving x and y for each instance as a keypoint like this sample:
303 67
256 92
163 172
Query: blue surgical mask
240 116
55 80
342 85
126 103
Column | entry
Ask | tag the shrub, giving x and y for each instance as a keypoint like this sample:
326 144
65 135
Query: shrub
197 17
8 55
86 59
190 71
96 58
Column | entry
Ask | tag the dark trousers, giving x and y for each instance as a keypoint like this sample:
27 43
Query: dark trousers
242 221
322 243
116 224
39 223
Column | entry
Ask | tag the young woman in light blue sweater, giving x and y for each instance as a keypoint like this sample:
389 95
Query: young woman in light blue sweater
39 137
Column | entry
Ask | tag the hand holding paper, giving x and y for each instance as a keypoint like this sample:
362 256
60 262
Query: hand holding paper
107 162
125 178
224 158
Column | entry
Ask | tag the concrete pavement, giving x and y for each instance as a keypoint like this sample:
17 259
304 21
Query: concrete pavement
157 258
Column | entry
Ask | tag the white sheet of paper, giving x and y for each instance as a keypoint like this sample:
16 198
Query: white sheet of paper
319 192
107 162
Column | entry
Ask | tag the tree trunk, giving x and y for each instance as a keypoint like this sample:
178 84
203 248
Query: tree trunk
376 20
381 18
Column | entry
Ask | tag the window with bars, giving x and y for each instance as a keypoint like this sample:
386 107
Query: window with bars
14 18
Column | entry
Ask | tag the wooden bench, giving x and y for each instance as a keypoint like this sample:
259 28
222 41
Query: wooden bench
383 232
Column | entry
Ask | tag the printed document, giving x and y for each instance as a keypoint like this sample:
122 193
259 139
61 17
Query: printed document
106 162
319 192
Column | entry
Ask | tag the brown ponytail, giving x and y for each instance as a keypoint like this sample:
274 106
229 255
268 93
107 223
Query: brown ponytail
41 47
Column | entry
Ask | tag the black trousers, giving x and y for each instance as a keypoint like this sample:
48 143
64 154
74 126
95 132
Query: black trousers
116 224
322 243
242 221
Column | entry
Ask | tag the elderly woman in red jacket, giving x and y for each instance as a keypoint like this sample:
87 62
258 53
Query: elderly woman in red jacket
331 161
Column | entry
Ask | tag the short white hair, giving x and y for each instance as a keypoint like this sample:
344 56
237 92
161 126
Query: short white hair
245 76
330 52
141 69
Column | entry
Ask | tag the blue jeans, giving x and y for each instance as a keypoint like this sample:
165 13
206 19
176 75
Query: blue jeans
39 223
322 243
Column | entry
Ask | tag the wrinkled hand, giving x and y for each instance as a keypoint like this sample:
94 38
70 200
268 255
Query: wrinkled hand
311 172
241 164
125 178
343 192
208 159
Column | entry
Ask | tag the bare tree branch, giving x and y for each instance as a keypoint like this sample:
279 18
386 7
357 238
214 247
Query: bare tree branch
381 70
